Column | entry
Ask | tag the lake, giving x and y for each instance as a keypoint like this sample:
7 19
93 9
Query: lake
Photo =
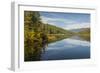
69 48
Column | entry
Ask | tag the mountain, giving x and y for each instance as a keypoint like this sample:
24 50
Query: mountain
85 34
84 31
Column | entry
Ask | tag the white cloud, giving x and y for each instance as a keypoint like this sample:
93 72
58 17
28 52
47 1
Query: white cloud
77 26
48 19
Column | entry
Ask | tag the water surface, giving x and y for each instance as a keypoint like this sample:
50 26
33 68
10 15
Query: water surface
69 48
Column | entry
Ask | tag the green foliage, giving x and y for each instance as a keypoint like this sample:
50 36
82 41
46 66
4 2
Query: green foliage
32 36
37 35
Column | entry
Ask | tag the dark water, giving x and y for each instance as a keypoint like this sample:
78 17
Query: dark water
69 48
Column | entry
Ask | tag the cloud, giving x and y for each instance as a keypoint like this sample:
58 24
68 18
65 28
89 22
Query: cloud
77 26
61 20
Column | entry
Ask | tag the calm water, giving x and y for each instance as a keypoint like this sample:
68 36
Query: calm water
69 48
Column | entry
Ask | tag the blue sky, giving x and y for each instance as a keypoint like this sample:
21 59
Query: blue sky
66 20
